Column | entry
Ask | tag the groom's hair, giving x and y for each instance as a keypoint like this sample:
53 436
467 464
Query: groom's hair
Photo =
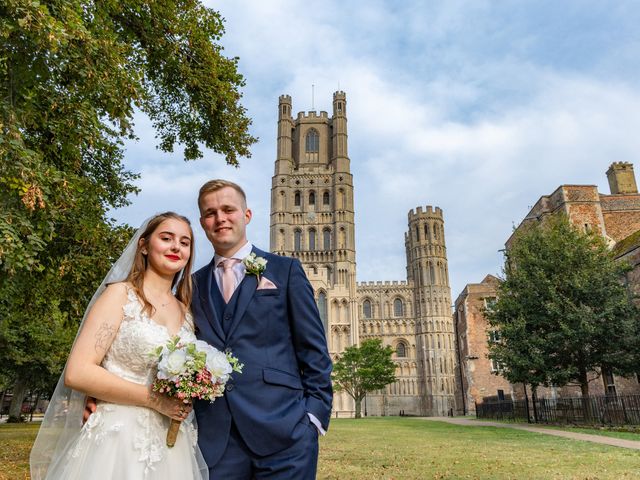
217 184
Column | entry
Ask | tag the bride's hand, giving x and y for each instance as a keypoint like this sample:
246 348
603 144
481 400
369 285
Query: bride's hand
169 406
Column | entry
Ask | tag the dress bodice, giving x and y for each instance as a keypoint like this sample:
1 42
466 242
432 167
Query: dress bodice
132 353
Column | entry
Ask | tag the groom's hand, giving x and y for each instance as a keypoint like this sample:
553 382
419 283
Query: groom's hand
89 408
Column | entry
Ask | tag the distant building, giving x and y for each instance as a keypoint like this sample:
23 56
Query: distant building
617 218
312 219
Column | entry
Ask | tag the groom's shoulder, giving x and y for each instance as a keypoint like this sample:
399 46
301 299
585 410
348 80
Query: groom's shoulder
274 257
201 272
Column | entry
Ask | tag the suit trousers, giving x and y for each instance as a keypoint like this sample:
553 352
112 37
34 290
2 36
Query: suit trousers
297 462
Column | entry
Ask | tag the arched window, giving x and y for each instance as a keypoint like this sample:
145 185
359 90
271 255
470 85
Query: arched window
296 199
312 239
325 198
322 308
417 233
366 308
297 240
401 350
312 198
312 141
326 239
398 308
436 231
426 231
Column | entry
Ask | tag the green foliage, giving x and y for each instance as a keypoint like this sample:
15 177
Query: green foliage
562 310
364 369
72 74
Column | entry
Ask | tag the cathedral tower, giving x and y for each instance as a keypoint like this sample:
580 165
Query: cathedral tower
312 214
427 270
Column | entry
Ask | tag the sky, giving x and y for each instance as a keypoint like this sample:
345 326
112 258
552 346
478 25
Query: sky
477 107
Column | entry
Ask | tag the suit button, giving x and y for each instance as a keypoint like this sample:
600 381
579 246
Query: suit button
227 317
229 387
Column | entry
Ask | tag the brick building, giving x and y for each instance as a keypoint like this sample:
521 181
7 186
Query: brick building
616 217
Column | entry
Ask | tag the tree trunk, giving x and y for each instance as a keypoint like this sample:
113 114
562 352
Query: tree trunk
587 410
15 409
358 402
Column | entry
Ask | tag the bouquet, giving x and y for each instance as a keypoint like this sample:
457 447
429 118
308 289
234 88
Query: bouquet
192 370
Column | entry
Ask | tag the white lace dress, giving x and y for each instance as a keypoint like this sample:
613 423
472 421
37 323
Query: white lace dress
127 442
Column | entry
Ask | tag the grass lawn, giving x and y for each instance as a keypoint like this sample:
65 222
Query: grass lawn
408 448
15 444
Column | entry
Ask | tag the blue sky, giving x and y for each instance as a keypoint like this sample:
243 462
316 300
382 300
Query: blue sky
477 107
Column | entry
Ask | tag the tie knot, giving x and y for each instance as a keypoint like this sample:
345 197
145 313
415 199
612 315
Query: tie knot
228 263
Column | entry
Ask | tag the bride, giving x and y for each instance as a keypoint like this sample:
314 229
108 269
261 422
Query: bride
133 312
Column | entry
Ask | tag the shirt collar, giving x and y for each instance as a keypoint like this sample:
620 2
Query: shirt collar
241 254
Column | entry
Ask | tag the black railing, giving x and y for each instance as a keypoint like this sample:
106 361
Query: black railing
602 410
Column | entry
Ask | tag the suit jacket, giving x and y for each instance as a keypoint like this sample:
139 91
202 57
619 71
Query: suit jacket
278 335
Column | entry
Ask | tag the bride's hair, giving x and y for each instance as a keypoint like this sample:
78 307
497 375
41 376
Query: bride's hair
181 281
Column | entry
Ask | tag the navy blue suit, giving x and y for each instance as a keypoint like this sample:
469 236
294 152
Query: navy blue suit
278 335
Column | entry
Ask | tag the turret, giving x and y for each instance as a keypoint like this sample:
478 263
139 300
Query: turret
621 178
340 157
284 158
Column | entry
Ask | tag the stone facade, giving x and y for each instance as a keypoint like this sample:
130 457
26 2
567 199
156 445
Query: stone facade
617 218
312 219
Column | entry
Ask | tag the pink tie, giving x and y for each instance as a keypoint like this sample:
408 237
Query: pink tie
228 278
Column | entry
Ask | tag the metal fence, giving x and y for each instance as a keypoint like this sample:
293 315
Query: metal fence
602 410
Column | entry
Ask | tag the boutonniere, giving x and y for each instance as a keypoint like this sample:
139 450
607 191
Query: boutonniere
254 265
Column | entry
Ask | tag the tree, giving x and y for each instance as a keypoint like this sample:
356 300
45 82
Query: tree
364 369
72 75
562 310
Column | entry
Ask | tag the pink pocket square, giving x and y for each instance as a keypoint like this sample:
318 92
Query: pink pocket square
266 284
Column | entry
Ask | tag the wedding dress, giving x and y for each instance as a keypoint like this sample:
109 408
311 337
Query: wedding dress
128 442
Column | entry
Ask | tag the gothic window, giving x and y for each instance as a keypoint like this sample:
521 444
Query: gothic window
366 308
326 239
322 307
297 240
426 231
312 141
417 233
296 199
398 308
436 231
312 198
312 239
401 350
325 198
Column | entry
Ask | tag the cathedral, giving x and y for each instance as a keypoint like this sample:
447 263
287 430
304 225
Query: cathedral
312 219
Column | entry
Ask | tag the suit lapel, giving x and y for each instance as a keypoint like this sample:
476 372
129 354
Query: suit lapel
207 299
247 290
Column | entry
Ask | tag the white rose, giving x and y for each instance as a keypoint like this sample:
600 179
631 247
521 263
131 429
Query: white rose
203 346
218 365
173 364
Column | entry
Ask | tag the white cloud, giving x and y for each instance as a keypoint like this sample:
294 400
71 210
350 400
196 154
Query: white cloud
461 105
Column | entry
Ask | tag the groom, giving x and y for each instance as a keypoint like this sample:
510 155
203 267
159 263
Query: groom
267 423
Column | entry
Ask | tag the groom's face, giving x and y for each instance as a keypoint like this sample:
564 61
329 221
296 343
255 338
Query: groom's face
224 218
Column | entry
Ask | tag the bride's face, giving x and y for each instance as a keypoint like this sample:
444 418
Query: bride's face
169 247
